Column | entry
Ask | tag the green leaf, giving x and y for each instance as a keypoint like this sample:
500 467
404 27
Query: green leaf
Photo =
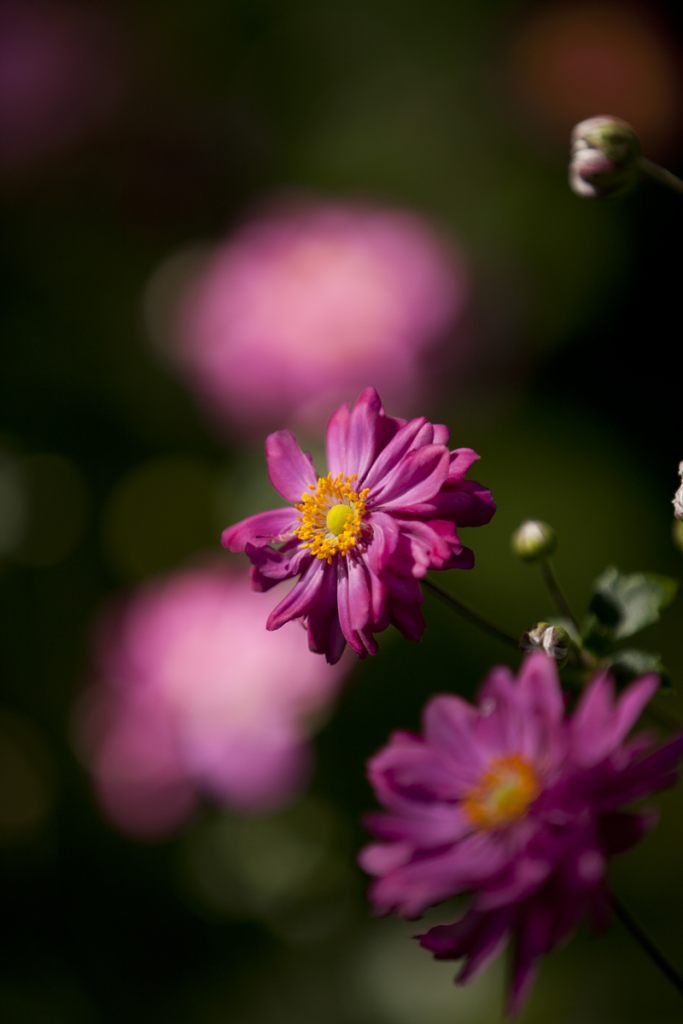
597 638
626 603
630 663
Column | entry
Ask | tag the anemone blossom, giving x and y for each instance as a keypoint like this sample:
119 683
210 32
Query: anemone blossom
306 301
362 537
517 805
190 697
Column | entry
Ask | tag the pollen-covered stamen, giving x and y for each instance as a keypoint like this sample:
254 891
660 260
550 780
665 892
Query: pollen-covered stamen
503 794
332 516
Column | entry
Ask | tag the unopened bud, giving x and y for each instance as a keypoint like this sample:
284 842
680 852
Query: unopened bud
678 496
605 158
533 539
554 640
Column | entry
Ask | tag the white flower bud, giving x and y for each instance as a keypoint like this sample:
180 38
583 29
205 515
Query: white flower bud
605 158
533 539
554 640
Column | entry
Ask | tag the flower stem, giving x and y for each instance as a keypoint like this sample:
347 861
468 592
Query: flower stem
553 585
661 175
648 944
468 613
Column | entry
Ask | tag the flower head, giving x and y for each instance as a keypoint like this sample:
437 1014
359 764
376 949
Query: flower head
362 537
519 806
192 697
308 300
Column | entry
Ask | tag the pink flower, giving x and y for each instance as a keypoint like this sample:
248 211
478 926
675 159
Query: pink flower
517 804
306 302
362 537
191 697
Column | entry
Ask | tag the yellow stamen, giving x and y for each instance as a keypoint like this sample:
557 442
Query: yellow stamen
332 516
503 794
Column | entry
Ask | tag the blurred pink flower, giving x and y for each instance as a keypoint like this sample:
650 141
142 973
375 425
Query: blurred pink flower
59 76
310 300
192 695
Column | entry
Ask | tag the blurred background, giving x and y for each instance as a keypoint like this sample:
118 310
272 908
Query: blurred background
221 218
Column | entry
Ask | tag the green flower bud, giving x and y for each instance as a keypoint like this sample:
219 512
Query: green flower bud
554 640
533 539
605 158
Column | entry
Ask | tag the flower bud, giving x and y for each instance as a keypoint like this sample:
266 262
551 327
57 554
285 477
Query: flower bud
678 496
554 640
533 539
605 158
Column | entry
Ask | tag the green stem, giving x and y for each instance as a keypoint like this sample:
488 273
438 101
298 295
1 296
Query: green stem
468 613
648 944
661 175
553 585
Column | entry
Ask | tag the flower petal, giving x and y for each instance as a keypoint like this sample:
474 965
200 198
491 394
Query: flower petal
464 866
460 461
467 503
404 441
416 478
437 825
359 592
278 565
599 725
349 632
337 439
362 436
479 937
531 942
290 471
385 538
323 613
450 726
271 527
301 598
337 642
621 831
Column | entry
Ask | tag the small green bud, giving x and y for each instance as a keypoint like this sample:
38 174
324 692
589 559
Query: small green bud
678 496
533 539
554 640
605 158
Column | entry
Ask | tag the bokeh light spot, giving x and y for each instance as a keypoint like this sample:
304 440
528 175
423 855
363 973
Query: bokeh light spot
26 776
56 506
159 514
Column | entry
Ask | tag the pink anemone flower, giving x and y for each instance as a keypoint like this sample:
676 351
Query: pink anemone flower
309 299
519 806
362 537
191 697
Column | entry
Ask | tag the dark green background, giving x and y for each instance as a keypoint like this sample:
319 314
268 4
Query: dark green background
574 405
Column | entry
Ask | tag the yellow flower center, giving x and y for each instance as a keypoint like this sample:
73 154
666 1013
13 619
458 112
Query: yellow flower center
503 794
332 516
337 518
